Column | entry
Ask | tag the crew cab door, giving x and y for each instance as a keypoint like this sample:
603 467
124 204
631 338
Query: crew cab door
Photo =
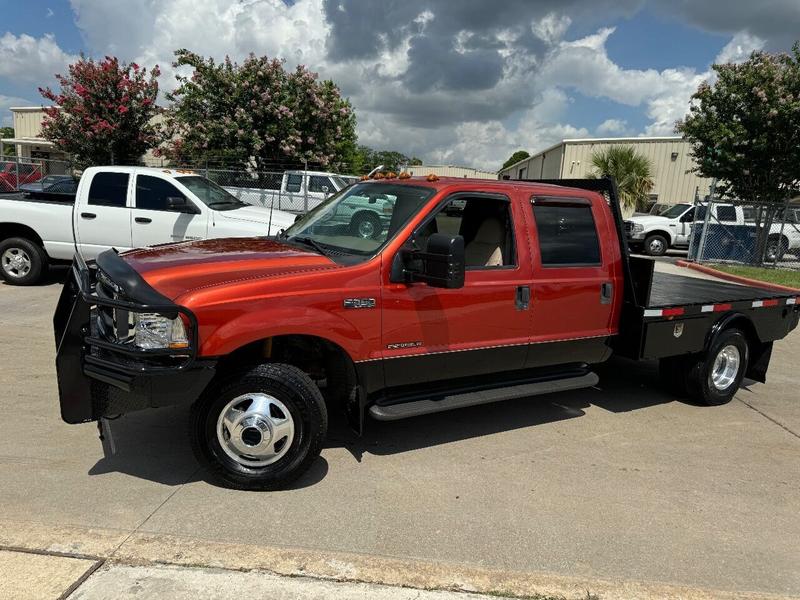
434 334
102 216
577 280
156 219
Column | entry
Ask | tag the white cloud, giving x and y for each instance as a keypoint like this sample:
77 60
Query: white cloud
739 48
28 59
613 127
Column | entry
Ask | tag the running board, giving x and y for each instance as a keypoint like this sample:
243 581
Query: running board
404 410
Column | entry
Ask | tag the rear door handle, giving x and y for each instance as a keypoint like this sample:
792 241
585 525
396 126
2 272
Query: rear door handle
88 215
143 220
523 300
606 292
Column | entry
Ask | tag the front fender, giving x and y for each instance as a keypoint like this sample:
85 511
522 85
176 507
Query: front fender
250 327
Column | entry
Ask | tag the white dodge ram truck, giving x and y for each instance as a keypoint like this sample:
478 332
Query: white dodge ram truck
123 208
655 234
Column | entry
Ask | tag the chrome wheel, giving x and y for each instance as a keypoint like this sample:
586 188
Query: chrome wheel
366 229
656 246
255 430
726 368
16 262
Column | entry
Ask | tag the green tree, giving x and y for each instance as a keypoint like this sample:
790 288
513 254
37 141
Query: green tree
104 112
367 159
257 114
632 171
744 129
515 158
8 149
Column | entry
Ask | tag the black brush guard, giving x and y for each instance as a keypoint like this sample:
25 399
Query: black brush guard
100 376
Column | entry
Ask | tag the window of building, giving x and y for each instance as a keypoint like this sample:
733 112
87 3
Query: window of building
567 235
294 182
523 173
108 189
152 193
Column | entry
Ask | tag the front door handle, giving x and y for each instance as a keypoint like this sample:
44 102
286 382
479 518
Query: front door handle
143 220
86 215
606 292
523 300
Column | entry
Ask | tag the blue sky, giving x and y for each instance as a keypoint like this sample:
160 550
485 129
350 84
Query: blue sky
461 82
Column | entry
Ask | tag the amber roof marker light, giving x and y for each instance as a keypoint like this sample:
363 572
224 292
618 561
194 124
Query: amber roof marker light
432 177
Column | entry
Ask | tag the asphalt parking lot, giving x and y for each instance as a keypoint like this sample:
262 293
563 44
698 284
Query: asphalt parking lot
622 482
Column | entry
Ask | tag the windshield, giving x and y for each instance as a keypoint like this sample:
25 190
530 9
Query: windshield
360 220
676 211
210 194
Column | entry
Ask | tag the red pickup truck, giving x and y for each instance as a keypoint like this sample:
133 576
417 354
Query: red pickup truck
472 291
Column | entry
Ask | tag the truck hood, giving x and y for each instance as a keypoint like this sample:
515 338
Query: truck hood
648 220
257 214
177 269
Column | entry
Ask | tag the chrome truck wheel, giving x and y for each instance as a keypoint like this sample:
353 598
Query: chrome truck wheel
255 429
259 429
22 262
16 262
714 376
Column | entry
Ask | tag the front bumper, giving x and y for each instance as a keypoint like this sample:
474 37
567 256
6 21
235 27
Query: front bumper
100 377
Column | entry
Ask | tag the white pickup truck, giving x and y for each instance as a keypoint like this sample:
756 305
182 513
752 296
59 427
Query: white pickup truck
655 234
123 208
293 191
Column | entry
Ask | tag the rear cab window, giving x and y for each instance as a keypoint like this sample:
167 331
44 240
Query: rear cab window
566 232
109 189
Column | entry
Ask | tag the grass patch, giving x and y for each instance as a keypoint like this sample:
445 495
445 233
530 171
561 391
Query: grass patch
779 276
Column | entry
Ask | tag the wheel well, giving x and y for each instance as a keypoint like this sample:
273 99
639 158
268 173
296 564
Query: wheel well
9 230
323 361
782 237
661 233
365 211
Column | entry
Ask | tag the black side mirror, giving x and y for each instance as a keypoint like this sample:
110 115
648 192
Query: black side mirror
441 264
180 204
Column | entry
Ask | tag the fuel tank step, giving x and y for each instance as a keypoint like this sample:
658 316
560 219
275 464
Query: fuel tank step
404 410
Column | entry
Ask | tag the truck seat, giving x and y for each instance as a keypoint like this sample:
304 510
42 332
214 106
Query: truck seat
486 248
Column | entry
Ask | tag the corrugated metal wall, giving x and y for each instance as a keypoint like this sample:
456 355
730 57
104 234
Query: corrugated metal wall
573 159
673 182
27 123
450 171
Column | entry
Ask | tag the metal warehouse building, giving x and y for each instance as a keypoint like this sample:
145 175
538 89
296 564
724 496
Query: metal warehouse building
572 159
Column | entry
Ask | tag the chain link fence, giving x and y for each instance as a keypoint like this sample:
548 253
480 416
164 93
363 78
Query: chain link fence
21 174
745 233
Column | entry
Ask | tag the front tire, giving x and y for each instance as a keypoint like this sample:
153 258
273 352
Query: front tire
260 429
776 248
715 376
656 245
22 262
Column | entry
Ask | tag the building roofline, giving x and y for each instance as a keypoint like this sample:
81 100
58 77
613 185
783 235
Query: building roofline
655 138
450 167
29 108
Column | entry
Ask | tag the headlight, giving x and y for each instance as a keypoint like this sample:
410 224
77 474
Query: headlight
152 330
637 228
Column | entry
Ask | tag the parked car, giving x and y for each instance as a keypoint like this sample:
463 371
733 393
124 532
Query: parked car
52 187
295 191
122 208
13 174
655 234
263 337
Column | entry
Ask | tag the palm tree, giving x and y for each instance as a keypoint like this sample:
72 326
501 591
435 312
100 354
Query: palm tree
632 171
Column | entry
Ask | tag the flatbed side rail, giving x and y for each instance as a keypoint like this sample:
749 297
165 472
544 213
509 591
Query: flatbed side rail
608 187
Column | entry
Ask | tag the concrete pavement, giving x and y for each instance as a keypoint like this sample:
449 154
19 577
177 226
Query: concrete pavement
617 488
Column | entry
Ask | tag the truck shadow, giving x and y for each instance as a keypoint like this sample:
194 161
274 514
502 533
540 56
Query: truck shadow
625 385
154 444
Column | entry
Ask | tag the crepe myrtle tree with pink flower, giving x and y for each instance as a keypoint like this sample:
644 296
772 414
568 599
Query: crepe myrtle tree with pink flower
744 128
103 113
257 114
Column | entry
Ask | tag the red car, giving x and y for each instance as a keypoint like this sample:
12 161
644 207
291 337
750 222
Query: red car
13 175
516 294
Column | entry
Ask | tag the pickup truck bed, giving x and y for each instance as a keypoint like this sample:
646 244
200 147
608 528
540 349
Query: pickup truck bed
670 290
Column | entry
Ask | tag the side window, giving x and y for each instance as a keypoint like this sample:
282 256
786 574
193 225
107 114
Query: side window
726 214
293 182
317 182
567 235
485 224
108 189
152 192
688 216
